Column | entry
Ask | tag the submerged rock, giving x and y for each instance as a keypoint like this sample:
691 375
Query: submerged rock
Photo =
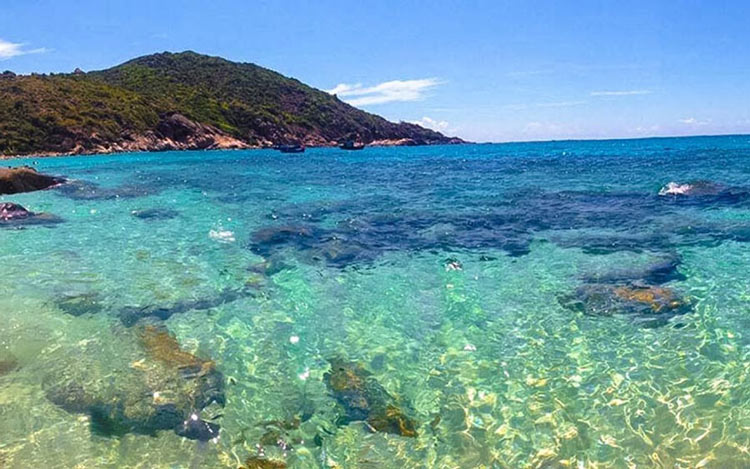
25 179
364 399
130 315
78 305
196 429
155 214
257 462
662 271
8 363
268 267
84 190
12 215
157 386
649 305
364 240
361 230
162 346
275 235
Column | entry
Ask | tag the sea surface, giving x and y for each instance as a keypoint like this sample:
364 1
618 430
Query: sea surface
473 306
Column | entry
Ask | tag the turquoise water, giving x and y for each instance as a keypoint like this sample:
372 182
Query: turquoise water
458 279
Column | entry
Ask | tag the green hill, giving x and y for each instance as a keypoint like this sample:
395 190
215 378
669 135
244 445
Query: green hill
180 101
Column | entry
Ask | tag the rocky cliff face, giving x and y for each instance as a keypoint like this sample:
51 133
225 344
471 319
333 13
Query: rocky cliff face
184 101
173 132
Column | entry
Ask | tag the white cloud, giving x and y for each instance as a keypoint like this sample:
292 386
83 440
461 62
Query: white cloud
430 123
342 89
386 92
12 49
620 93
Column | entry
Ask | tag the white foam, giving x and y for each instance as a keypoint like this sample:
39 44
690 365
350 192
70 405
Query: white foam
222 236
674 188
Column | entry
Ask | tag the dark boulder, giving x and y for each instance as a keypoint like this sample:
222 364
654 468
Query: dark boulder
25 179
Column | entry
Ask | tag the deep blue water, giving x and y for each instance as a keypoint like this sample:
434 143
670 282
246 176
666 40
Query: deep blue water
506 305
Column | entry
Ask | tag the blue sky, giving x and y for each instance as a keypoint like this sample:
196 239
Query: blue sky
484 70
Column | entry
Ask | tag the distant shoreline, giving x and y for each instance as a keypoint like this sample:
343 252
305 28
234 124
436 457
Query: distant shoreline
612 139
378 144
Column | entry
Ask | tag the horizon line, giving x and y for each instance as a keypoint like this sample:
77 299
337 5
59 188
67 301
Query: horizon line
605 139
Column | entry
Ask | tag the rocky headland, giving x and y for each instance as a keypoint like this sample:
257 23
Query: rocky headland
183 101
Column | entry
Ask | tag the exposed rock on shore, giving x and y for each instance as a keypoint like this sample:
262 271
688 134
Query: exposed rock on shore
411 142
24 179
173 132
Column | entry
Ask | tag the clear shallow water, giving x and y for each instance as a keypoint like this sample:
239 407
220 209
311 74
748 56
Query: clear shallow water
486 360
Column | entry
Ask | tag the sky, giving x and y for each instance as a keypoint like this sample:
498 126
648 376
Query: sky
483 70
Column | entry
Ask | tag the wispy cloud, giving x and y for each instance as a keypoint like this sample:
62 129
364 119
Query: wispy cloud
386 92
560 104
523 106
570 68
528 73
620 92
694 121
433 124
11 49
